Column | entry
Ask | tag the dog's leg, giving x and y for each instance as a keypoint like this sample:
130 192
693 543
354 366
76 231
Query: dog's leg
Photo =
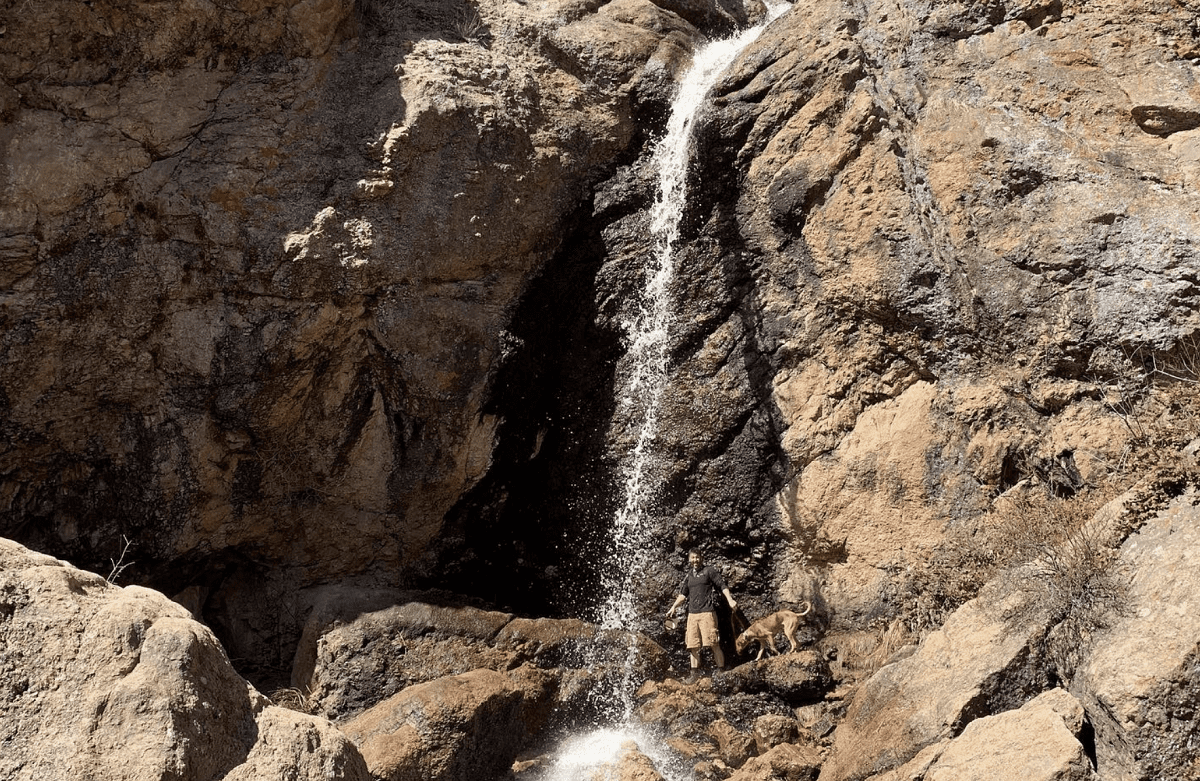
761 647
789 628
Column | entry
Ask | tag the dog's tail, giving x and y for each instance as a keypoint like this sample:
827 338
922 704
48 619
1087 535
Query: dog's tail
806 608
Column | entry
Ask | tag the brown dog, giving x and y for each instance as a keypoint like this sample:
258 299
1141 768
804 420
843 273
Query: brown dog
763 630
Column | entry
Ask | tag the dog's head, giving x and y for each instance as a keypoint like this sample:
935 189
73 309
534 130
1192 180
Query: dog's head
741 642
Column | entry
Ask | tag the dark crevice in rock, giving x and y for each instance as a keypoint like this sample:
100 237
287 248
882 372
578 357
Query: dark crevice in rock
1087 738
524 536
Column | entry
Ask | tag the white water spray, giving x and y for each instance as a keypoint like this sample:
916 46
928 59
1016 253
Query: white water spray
648 355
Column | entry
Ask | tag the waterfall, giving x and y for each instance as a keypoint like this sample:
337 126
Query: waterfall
647 337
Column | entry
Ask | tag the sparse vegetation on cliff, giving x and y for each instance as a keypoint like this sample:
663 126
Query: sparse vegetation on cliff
1028 526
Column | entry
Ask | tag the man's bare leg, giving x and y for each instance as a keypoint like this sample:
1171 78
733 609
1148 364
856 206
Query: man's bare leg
694 656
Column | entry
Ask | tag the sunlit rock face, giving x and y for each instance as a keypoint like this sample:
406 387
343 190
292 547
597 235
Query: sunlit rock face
924 244
121 682
304 292
259 263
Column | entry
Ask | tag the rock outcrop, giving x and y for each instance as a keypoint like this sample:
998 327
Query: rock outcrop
259 263
312 299
984 660
104 682
455 728
1037 742
931 253
968 703
1138 680
326 289
935 254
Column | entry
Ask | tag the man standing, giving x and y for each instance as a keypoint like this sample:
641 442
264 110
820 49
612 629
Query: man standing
699 589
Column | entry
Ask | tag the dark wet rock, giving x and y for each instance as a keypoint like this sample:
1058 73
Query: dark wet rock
798 679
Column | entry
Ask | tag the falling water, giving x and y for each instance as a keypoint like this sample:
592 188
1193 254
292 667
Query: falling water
647 336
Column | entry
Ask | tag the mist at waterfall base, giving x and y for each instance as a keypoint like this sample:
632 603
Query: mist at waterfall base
629 549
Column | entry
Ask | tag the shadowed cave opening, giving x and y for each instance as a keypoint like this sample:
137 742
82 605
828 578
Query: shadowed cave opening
526 537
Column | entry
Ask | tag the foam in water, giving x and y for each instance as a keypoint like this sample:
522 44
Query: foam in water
594 754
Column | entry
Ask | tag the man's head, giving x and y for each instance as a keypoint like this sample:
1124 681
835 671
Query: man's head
696 559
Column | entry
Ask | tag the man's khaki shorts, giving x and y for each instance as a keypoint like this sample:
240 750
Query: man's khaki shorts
702 630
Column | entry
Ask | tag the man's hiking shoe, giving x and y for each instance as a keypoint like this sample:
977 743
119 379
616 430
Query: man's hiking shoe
693 676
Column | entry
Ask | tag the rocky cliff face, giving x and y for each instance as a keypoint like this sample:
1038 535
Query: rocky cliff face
303 292
260 262
936 250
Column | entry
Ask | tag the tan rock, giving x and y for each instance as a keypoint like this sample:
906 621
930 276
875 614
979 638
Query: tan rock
550 642
773 729
983 660
358 663
459 727
891 192
1137 678
785 761
632 765
735 746
100 681
1037 742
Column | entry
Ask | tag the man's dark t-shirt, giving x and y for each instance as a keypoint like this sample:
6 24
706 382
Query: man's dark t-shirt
701 590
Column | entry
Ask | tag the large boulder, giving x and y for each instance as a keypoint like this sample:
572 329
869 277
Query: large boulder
361 646
1139 680
797 679
984 660
457 728
346 666
786 761
1037 742
98 682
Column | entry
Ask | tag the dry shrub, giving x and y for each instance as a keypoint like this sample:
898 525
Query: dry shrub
470 27
293 699
930 592
1070 564
1156 395
1070 570
865 652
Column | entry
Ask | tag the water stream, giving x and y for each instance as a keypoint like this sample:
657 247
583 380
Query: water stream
647 336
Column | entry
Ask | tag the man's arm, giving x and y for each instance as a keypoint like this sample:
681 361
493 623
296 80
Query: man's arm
679 600
729 598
